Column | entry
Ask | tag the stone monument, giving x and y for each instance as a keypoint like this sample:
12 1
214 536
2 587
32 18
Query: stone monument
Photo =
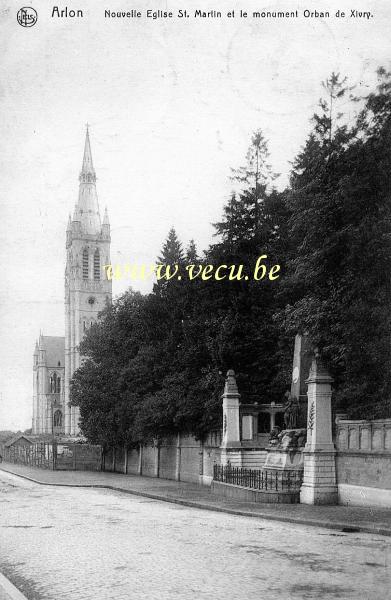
302 357
285 451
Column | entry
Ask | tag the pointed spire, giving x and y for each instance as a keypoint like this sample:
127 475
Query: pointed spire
69 227
87 174
87 208
106 217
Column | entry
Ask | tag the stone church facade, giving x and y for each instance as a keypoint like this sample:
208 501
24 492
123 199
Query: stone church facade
87 291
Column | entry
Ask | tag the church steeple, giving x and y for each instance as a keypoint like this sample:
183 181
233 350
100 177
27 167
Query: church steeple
87 174
87 207
87 289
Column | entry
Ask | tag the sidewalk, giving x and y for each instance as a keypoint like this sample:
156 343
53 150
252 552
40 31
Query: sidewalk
363 519
8 591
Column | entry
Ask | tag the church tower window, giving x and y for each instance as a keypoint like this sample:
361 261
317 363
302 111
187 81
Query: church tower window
55 384
85 263
96 265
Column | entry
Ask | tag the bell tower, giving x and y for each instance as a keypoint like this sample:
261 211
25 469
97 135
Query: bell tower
87 289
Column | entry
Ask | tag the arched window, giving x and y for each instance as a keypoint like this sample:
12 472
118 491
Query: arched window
57 418
96 265
55 384
85 263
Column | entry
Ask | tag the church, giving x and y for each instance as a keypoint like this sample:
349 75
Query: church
87 290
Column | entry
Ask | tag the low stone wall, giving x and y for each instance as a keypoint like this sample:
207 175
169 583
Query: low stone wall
364 468
237 492
363 462
181 458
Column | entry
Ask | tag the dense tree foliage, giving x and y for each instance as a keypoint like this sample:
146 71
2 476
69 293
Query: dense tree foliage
337 286
155 364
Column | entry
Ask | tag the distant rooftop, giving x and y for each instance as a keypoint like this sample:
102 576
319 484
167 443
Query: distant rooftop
17 437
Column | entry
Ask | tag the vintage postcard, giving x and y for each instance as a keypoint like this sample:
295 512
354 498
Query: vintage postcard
195 234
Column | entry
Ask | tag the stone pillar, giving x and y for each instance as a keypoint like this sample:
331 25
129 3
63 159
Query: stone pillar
319 480
201 465
231 426
125 460
178 458
156 444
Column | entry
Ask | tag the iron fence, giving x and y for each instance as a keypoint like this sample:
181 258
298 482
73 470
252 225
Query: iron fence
258 479
55 456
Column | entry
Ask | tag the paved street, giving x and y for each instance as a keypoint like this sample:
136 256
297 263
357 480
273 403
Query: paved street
67 543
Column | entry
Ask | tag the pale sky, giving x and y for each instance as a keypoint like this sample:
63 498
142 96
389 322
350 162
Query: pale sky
172 105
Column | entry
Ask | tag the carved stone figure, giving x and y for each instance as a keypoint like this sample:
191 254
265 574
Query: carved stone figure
291 413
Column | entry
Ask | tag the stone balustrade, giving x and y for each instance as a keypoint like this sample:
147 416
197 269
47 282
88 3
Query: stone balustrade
368 436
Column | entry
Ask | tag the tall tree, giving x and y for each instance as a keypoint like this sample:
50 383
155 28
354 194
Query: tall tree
256 177
336 287
172 252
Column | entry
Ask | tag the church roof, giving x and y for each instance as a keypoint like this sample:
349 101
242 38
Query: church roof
55 350
87 207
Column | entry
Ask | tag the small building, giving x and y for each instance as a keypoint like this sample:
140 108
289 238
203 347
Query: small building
19 440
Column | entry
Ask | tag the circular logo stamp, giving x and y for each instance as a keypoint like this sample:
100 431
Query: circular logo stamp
27 16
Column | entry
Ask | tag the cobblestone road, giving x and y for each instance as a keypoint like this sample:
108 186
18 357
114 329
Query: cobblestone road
74 544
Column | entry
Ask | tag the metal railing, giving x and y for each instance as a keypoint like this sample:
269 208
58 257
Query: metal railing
45 455
258 479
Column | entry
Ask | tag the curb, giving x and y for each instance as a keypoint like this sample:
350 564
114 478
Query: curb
10 591
346 527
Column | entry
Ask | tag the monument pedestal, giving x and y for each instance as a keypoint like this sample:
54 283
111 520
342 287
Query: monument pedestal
319 481
287 454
